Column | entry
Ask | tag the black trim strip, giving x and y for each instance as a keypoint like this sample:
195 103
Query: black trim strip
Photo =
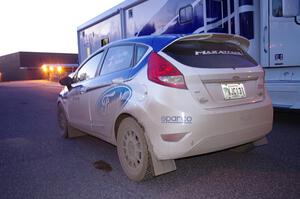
229 80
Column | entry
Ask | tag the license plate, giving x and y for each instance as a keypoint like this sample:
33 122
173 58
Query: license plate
233 91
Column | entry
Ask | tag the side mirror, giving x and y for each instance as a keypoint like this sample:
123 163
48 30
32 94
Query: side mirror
290 8
66 81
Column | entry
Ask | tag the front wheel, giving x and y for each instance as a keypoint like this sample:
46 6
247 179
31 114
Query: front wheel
133 150
62 121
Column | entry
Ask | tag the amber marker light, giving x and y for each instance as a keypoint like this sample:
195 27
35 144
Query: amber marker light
45 68
59 69
51 68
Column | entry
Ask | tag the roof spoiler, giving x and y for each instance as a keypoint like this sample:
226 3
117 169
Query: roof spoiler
236 39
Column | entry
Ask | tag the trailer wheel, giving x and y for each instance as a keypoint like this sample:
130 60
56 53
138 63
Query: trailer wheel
62 121
133 150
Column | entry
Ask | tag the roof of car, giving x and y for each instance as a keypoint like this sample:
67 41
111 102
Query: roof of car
157 42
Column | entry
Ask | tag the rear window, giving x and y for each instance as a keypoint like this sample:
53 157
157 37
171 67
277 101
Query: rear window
202 54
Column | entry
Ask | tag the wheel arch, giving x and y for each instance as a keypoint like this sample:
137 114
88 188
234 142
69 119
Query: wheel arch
62 104
156 167
119 119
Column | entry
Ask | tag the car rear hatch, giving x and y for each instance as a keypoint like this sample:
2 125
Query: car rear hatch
217 69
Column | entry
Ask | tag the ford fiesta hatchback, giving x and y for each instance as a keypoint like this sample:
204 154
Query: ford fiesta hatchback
160 98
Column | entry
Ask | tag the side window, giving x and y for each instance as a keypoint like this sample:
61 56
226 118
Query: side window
140 51
117 58
186 14
130 13
88 70
277 8
104 41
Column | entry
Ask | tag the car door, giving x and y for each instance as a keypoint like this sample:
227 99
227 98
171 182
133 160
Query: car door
105 100
78 103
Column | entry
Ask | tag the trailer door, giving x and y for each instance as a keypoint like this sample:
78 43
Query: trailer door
283 74
284 37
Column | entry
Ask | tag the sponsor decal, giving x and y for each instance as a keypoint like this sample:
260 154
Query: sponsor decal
176 119
114 98
218 52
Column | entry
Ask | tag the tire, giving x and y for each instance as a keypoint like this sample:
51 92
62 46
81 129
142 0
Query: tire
133 150
62 121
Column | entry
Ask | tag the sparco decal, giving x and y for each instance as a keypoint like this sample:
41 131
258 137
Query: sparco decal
177 119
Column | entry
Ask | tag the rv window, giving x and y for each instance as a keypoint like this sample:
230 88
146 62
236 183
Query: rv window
186 14
277 8
117 58
130 13
204 54
104 41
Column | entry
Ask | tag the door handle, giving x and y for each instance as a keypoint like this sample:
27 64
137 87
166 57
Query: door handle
83 90
264 39
118 81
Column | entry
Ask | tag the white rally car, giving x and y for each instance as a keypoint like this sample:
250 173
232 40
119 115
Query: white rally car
160 98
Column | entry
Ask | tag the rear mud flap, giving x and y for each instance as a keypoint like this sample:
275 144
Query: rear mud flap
160 166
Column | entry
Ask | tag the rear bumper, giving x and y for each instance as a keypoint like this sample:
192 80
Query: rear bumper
229 139
213 130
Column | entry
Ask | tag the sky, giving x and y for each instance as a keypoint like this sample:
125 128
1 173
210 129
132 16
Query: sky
45 25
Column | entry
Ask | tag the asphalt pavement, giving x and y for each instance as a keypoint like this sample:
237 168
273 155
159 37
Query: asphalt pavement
35 162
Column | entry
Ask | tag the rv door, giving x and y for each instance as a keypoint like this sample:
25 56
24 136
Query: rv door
284 33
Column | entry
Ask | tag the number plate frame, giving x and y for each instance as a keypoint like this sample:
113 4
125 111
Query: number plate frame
233 91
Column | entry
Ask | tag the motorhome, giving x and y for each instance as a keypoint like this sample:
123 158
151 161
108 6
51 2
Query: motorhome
272 26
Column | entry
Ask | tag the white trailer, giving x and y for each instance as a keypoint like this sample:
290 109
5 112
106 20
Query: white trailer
272 26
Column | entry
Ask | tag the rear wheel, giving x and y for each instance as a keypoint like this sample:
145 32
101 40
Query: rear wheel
133 150
62 121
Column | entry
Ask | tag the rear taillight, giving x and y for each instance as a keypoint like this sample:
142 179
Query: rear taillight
164 73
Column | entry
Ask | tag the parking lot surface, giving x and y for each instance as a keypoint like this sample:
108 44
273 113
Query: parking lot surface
35 162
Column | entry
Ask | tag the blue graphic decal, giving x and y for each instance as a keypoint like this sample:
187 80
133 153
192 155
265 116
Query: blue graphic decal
245 2
114 99
165 21
231 6
232 26
247 25
221 17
